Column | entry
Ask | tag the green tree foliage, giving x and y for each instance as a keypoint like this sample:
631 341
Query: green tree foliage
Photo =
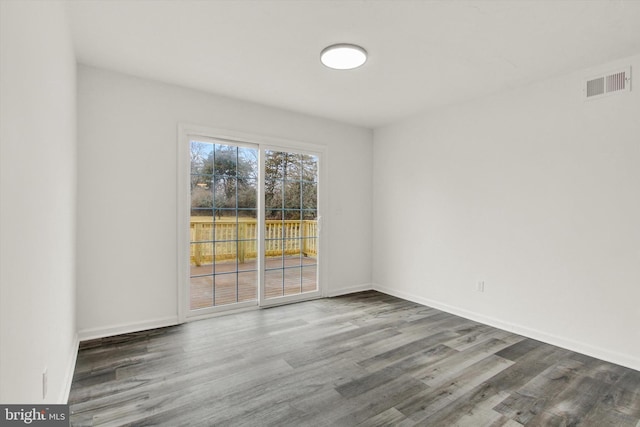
290 185
226 177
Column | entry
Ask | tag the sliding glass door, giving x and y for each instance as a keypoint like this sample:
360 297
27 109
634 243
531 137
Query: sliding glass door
290 225
253 225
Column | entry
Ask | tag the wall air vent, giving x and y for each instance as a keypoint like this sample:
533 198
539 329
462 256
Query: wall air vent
606 84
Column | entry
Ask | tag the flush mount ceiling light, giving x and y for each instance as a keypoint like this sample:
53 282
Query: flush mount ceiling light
343 56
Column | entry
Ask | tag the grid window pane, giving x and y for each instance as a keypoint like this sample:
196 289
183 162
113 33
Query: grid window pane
273 229
201 157
309 250
292 281
274 253
224 192
201 258
309 215
293 260
292 214
201 290
226 289
225 160
292 195
247 286
274 165
309 228
202 212
247 193
309 195
273 283
292 230
201 192
201 229
247 255
309 166
309 278
247 163
224 229
291 247
244 214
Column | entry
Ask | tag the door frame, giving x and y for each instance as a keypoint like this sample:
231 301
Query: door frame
183 166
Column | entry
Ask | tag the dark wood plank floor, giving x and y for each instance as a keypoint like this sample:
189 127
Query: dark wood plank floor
363 359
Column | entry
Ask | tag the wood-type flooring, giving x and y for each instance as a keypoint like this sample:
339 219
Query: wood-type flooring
362 359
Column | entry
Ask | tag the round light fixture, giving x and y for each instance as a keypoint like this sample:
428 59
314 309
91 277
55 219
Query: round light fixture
343 56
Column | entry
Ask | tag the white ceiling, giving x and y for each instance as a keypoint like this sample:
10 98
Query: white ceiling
422 54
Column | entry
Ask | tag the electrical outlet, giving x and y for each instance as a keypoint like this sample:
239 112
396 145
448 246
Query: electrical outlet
45 380
480 286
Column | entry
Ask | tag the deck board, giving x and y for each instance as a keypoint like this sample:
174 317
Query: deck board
229 282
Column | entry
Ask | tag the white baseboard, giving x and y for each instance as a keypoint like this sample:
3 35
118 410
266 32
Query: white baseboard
567 343
350 290
125 328
63 397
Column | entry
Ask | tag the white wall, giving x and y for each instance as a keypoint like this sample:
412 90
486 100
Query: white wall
38 202
127 254
535 192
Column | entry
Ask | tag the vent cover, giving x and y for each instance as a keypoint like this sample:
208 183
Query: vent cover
606 84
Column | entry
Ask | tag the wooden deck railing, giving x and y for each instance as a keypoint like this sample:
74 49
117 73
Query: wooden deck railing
219 239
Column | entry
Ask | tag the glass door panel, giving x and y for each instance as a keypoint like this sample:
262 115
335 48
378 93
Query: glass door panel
291 224
223 224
